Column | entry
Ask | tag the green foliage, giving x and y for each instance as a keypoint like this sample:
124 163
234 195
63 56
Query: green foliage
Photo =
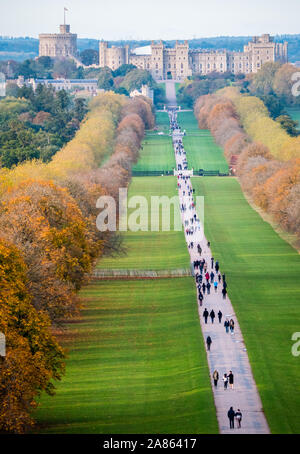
188 92
66 68
34 125
273 104
136 78
89 57
105 79
123 70
288 124
21 143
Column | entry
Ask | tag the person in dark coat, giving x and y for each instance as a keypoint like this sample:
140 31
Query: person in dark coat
212 262
224 291
217 267
231 415
212 315
223 277
203 287
230 378
205 315
208 342
208 285
219 277
220 315
226 324
212 275
200 298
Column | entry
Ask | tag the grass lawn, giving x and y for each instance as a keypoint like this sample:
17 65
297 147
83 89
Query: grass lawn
263 282
202 151
152 250
162 121
157 154
136 364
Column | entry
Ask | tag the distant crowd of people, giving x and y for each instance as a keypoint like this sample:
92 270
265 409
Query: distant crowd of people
207 275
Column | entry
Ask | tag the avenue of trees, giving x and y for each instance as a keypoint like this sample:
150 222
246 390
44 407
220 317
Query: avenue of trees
49 243
268 162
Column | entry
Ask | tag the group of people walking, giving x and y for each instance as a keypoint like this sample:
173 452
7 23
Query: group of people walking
207 272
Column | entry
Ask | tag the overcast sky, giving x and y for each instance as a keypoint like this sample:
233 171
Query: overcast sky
150 19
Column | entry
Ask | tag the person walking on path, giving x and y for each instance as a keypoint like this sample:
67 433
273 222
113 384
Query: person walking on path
217 267
216 286
212 262
203 288
207 276
216 377
220 315
208 285
224 292
231 415
205 315
231 326
212 275
200 298
225 380
230 378
208 342
219 277
212 315
239 416
226 324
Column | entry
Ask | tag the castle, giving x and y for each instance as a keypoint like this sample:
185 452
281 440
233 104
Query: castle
178 62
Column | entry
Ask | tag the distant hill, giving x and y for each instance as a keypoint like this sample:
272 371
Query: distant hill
20 49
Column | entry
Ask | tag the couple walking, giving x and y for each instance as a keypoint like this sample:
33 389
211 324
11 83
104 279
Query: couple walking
234 414
228 378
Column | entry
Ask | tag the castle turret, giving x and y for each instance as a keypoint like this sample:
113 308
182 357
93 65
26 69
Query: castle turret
63 44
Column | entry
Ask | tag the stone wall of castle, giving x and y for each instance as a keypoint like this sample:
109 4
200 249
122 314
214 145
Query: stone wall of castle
55 45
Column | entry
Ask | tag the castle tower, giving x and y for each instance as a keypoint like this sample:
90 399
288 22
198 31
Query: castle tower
63 44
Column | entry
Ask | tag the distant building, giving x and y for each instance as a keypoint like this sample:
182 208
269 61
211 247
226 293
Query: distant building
164 62
180 62
62 44
144 91
89 85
